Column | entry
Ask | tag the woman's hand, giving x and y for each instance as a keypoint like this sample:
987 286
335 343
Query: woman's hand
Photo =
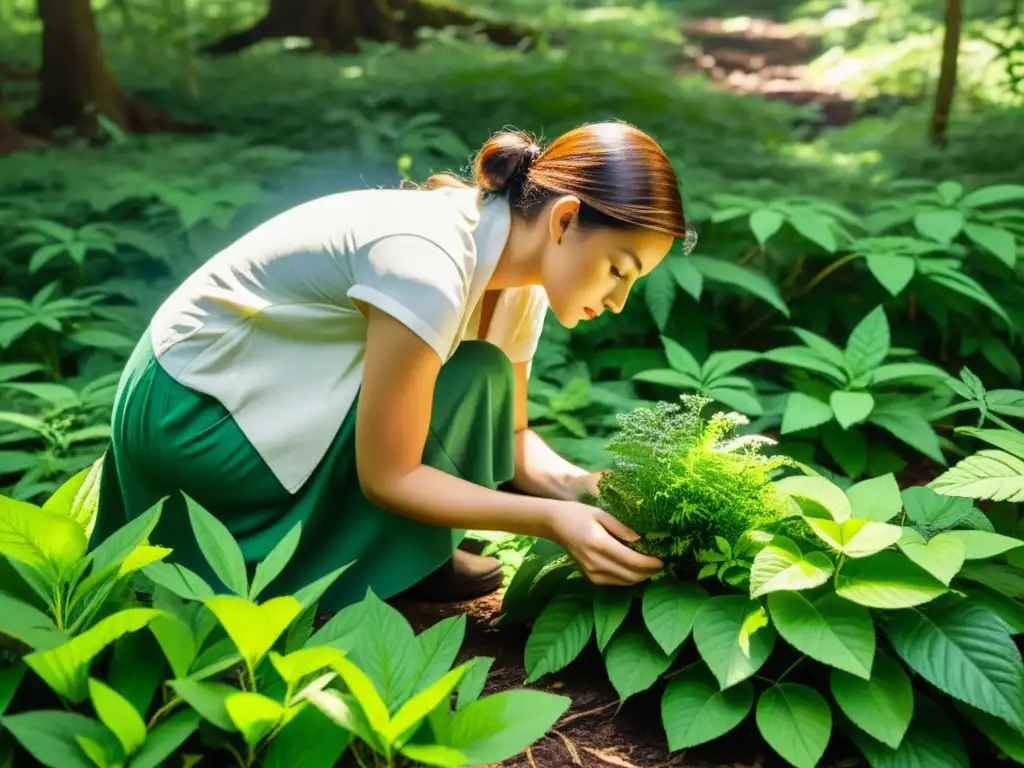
593 538
585 484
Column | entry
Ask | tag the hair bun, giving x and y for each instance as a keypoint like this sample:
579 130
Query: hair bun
504 161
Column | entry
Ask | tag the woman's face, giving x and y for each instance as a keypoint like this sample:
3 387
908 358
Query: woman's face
587 271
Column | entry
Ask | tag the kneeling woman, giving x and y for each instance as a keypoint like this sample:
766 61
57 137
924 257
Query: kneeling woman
359 364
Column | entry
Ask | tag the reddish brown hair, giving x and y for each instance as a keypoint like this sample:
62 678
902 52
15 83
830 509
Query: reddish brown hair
620 174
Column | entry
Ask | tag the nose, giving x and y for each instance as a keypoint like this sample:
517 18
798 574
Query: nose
616 300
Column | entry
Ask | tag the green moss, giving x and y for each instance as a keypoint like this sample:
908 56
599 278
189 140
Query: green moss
679 480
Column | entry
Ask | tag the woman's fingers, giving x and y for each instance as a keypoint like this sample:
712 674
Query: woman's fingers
642 564
616 527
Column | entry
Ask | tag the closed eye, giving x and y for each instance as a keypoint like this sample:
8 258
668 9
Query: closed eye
617 273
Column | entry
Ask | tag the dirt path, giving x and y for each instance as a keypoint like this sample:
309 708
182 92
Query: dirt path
758 56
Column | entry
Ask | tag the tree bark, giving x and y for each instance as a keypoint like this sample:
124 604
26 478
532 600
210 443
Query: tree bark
947 74
76 87
335 26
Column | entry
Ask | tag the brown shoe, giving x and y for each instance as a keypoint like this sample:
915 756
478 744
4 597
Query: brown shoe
465 577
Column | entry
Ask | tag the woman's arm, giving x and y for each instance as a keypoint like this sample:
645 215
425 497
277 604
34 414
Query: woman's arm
539 470
392 423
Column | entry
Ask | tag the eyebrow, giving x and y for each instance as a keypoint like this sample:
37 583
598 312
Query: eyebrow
635 258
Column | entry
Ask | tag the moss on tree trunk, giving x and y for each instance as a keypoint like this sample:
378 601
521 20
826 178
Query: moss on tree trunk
336 26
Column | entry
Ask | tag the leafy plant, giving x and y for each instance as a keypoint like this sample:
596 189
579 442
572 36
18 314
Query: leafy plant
876 586
680 481
859 387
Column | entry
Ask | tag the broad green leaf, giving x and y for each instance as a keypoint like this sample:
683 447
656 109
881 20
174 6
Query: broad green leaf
312 592
559 635
981 545
680 358
305 661
738 276
816 497
815 228
856 538
719 364
877 499
10 679
782 566
804 412
361 686
940 225
254 628
993 195
1006 738
932 740
828 629
50 737
179 580
851 408
439 647
822 347
473 682
309 740
50 543
634 662
668 609
134 670
345 710
669 378
66 667
717 631
764 223
387 651
796 722
736 400
881 706
1011 442
434 755
942 555
999 242
913 429
611 605
163 740
271 566
848 448
254 714
28 624
62 501
952 278
117 713
687 277
659 296
887 580
894 272
425 701
869 342
895 372
988 475
501 726
965 651
207 698
219 548
931 510
803 357
694 711
109 556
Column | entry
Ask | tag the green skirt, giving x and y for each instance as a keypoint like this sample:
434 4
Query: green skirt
168 438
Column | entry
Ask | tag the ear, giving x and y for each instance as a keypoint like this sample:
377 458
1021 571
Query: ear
563 210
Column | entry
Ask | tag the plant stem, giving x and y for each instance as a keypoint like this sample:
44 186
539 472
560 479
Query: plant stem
838 263
791 668
58 610
160 713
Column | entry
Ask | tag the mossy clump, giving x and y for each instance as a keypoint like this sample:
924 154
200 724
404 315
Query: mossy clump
680 480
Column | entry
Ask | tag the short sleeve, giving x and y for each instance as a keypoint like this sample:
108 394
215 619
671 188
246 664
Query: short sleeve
415 281
518 322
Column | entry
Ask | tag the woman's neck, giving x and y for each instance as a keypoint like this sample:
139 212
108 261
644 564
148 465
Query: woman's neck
519 263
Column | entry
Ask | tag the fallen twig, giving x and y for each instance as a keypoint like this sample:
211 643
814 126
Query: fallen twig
588 713
573 752
608 757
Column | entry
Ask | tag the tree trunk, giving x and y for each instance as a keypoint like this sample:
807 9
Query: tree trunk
947 73
335 26
75 86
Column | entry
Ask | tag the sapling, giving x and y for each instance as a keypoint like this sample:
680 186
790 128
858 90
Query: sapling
680 480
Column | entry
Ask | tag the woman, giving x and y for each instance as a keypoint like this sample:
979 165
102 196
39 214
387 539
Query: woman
359 364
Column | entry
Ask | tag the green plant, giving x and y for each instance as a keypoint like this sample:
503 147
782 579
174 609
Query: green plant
246 676
860 387
873 587
680 481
